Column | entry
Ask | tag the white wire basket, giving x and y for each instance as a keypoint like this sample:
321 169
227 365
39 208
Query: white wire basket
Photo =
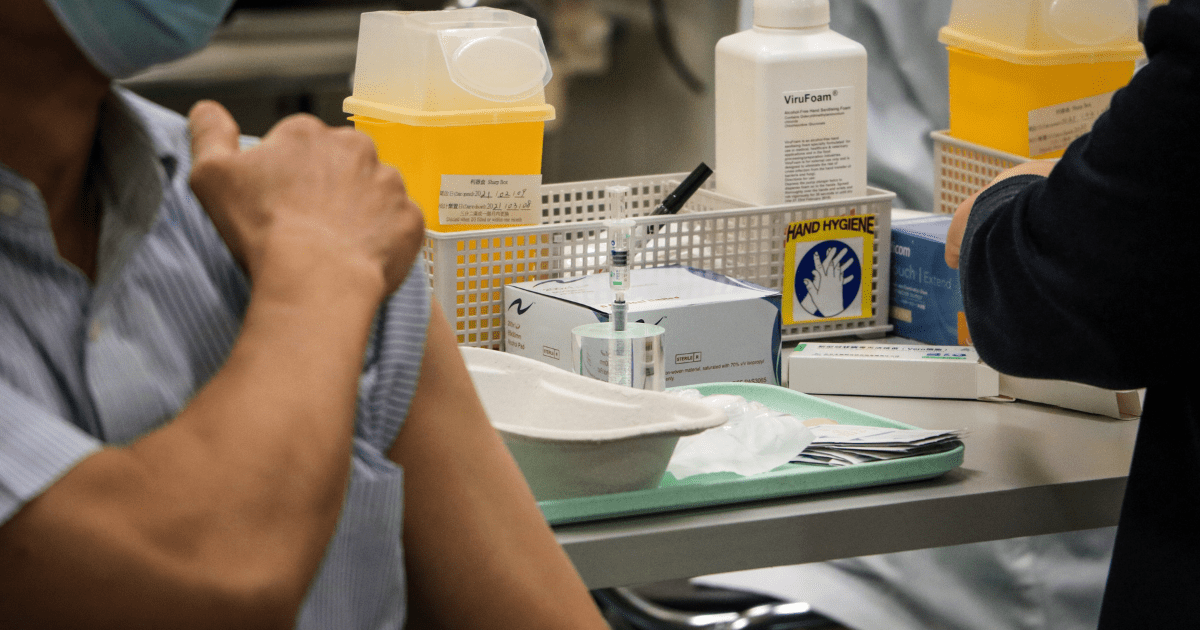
962 169
468 270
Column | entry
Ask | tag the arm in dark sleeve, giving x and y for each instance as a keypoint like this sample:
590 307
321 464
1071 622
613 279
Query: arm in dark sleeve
1087 275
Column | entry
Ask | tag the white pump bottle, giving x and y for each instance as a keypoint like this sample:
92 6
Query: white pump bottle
791 108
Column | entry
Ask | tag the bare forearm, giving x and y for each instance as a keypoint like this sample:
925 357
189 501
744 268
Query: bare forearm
278 417
228 508
490 545
220 518
289 386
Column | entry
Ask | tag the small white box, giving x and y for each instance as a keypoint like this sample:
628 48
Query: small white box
1119 404
920 371
718 329
912 371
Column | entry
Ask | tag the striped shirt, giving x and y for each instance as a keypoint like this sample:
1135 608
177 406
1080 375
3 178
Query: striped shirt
84 365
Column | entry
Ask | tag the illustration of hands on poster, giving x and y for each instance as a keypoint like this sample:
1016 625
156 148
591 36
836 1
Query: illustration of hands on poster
829 269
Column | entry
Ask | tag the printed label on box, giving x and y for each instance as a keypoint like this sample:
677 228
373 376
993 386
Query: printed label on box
490 200
694 306
926 303
828 269
1053 128
904 352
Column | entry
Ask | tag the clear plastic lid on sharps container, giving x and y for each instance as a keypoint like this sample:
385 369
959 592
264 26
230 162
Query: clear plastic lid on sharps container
464 66
1045 32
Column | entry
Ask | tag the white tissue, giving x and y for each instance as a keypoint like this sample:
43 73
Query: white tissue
756 439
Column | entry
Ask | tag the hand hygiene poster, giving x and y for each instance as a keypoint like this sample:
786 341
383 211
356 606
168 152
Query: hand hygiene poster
828 273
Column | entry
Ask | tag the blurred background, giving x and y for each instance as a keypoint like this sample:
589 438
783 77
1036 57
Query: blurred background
632 79
632 86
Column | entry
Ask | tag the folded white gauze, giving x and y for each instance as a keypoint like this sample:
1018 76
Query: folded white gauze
756 439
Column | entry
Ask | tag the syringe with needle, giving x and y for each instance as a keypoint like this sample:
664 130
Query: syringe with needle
620 230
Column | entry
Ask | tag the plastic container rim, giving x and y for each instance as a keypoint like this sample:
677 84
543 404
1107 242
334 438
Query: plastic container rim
965 42
451 118
602 436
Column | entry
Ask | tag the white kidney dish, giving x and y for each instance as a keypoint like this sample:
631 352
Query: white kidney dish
574 436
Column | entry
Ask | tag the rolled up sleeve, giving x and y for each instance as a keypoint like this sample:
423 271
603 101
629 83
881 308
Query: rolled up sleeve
36 449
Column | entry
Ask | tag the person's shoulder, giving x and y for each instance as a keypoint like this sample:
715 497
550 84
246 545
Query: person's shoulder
165 133
167 129
149 110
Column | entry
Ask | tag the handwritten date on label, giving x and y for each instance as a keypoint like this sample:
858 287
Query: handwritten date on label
490 200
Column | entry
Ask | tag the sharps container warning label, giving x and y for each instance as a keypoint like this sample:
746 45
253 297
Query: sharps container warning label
490 200
828 273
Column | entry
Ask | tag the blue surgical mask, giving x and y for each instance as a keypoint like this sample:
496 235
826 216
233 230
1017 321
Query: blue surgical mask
124 37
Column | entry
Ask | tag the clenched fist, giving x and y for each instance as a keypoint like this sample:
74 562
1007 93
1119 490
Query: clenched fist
308 195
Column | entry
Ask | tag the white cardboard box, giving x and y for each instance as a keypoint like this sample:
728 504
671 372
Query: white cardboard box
717 328
902 370
920 371
1120 404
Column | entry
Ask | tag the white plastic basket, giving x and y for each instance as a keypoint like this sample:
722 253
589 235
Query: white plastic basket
963 168
468 270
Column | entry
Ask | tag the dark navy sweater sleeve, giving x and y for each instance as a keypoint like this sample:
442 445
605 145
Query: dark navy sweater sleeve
1091 274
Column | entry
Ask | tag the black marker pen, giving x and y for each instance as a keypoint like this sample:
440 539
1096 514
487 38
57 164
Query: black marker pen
674 201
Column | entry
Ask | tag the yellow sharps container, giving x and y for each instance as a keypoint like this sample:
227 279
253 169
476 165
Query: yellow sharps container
1029 76
455 100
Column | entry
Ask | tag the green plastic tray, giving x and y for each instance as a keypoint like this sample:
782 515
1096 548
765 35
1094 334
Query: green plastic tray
787 480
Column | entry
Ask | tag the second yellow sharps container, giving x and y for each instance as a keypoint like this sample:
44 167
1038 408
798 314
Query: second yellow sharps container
1029 76
455 100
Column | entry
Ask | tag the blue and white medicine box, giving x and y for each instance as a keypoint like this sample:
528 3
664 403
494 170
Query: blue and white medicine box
926 302
717 328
